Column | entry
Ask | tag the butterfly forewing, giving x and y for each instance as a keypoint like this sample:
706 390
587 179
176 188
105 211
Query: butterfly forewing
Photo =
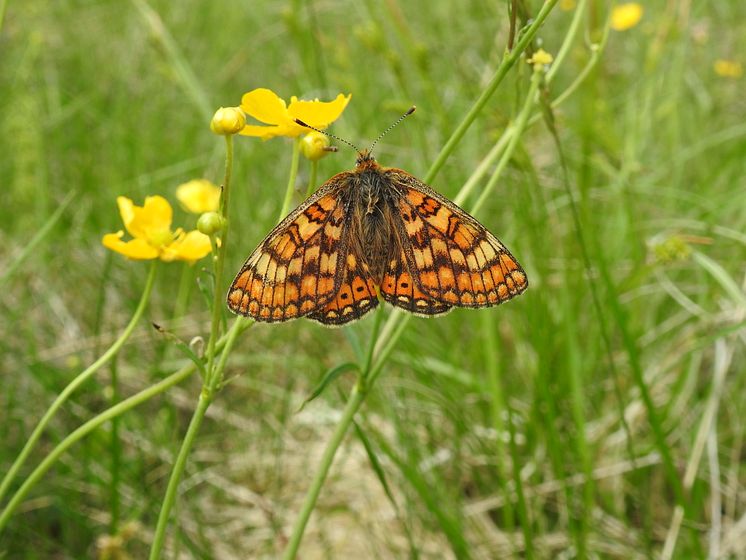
296 269
455 259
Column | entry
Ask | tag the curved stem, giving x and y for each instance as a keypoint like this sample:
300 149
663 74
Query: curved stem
396 323
85 429
226 342
572 32
214 374
501 72
356 399
178 469
312 178
205 399
217 296
517 132
78 381
291 180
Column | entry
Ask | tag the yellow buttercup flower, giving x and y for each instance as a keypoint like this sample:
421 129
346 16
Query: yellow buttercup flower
626 16
265 106
198 196
728 68
152 238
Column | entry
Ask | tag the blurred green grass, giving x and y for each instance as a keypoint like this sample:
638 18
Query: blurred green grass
98 101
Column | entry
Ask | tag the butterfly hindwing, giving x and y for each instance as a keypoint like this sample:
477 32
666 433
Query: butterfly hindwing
455 259
400 290
296 269
355 297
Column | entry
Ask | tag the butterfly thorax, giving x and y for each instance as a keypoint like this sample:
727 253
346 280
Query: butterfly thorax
372 200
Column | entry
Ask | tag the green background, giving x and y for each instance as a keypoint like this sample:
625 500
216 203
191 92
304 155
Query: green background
508 432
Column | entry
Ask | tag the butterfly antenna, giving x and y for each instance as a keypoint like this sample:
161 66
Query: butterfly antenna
329 134
385 132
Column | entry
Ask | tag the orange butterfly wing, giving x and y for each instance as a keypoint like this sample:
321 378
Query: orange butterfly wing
296 269
455 260
356 295
401 290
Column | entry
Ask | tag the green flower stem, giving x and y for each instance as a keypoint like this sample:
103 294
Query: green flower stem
214 374
356 399
353 404
173 482
205 399
508 61
596 50
79 380
517 132
383 345
312 179
93 424
217 299
115 448
483 166
572 31
373 338
291 180
225 342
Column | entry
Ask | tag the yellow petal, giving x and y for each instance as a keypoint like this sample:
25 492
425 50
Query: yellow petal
198 196
190 247
149 221
265 106
126 211
134 249
318 113
626 16
263 132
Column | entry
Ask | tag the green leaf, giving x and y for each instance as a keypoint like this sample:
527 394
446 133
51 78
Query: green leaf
184 347
328 377
726 281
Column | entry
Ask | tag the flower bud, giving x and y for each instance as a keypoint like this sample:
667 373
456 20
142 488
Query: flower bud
540 59
227 121
210 223
315 145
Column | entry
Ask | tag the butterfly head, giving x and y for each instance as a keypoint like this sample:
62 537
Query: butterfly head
365 160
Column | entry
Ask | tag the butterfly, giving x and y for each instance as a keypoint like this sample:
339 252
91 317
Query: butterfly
371 231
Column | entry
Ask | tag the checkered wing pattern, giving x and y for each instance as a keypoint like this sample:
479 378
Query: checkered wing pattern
300 266
452 258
